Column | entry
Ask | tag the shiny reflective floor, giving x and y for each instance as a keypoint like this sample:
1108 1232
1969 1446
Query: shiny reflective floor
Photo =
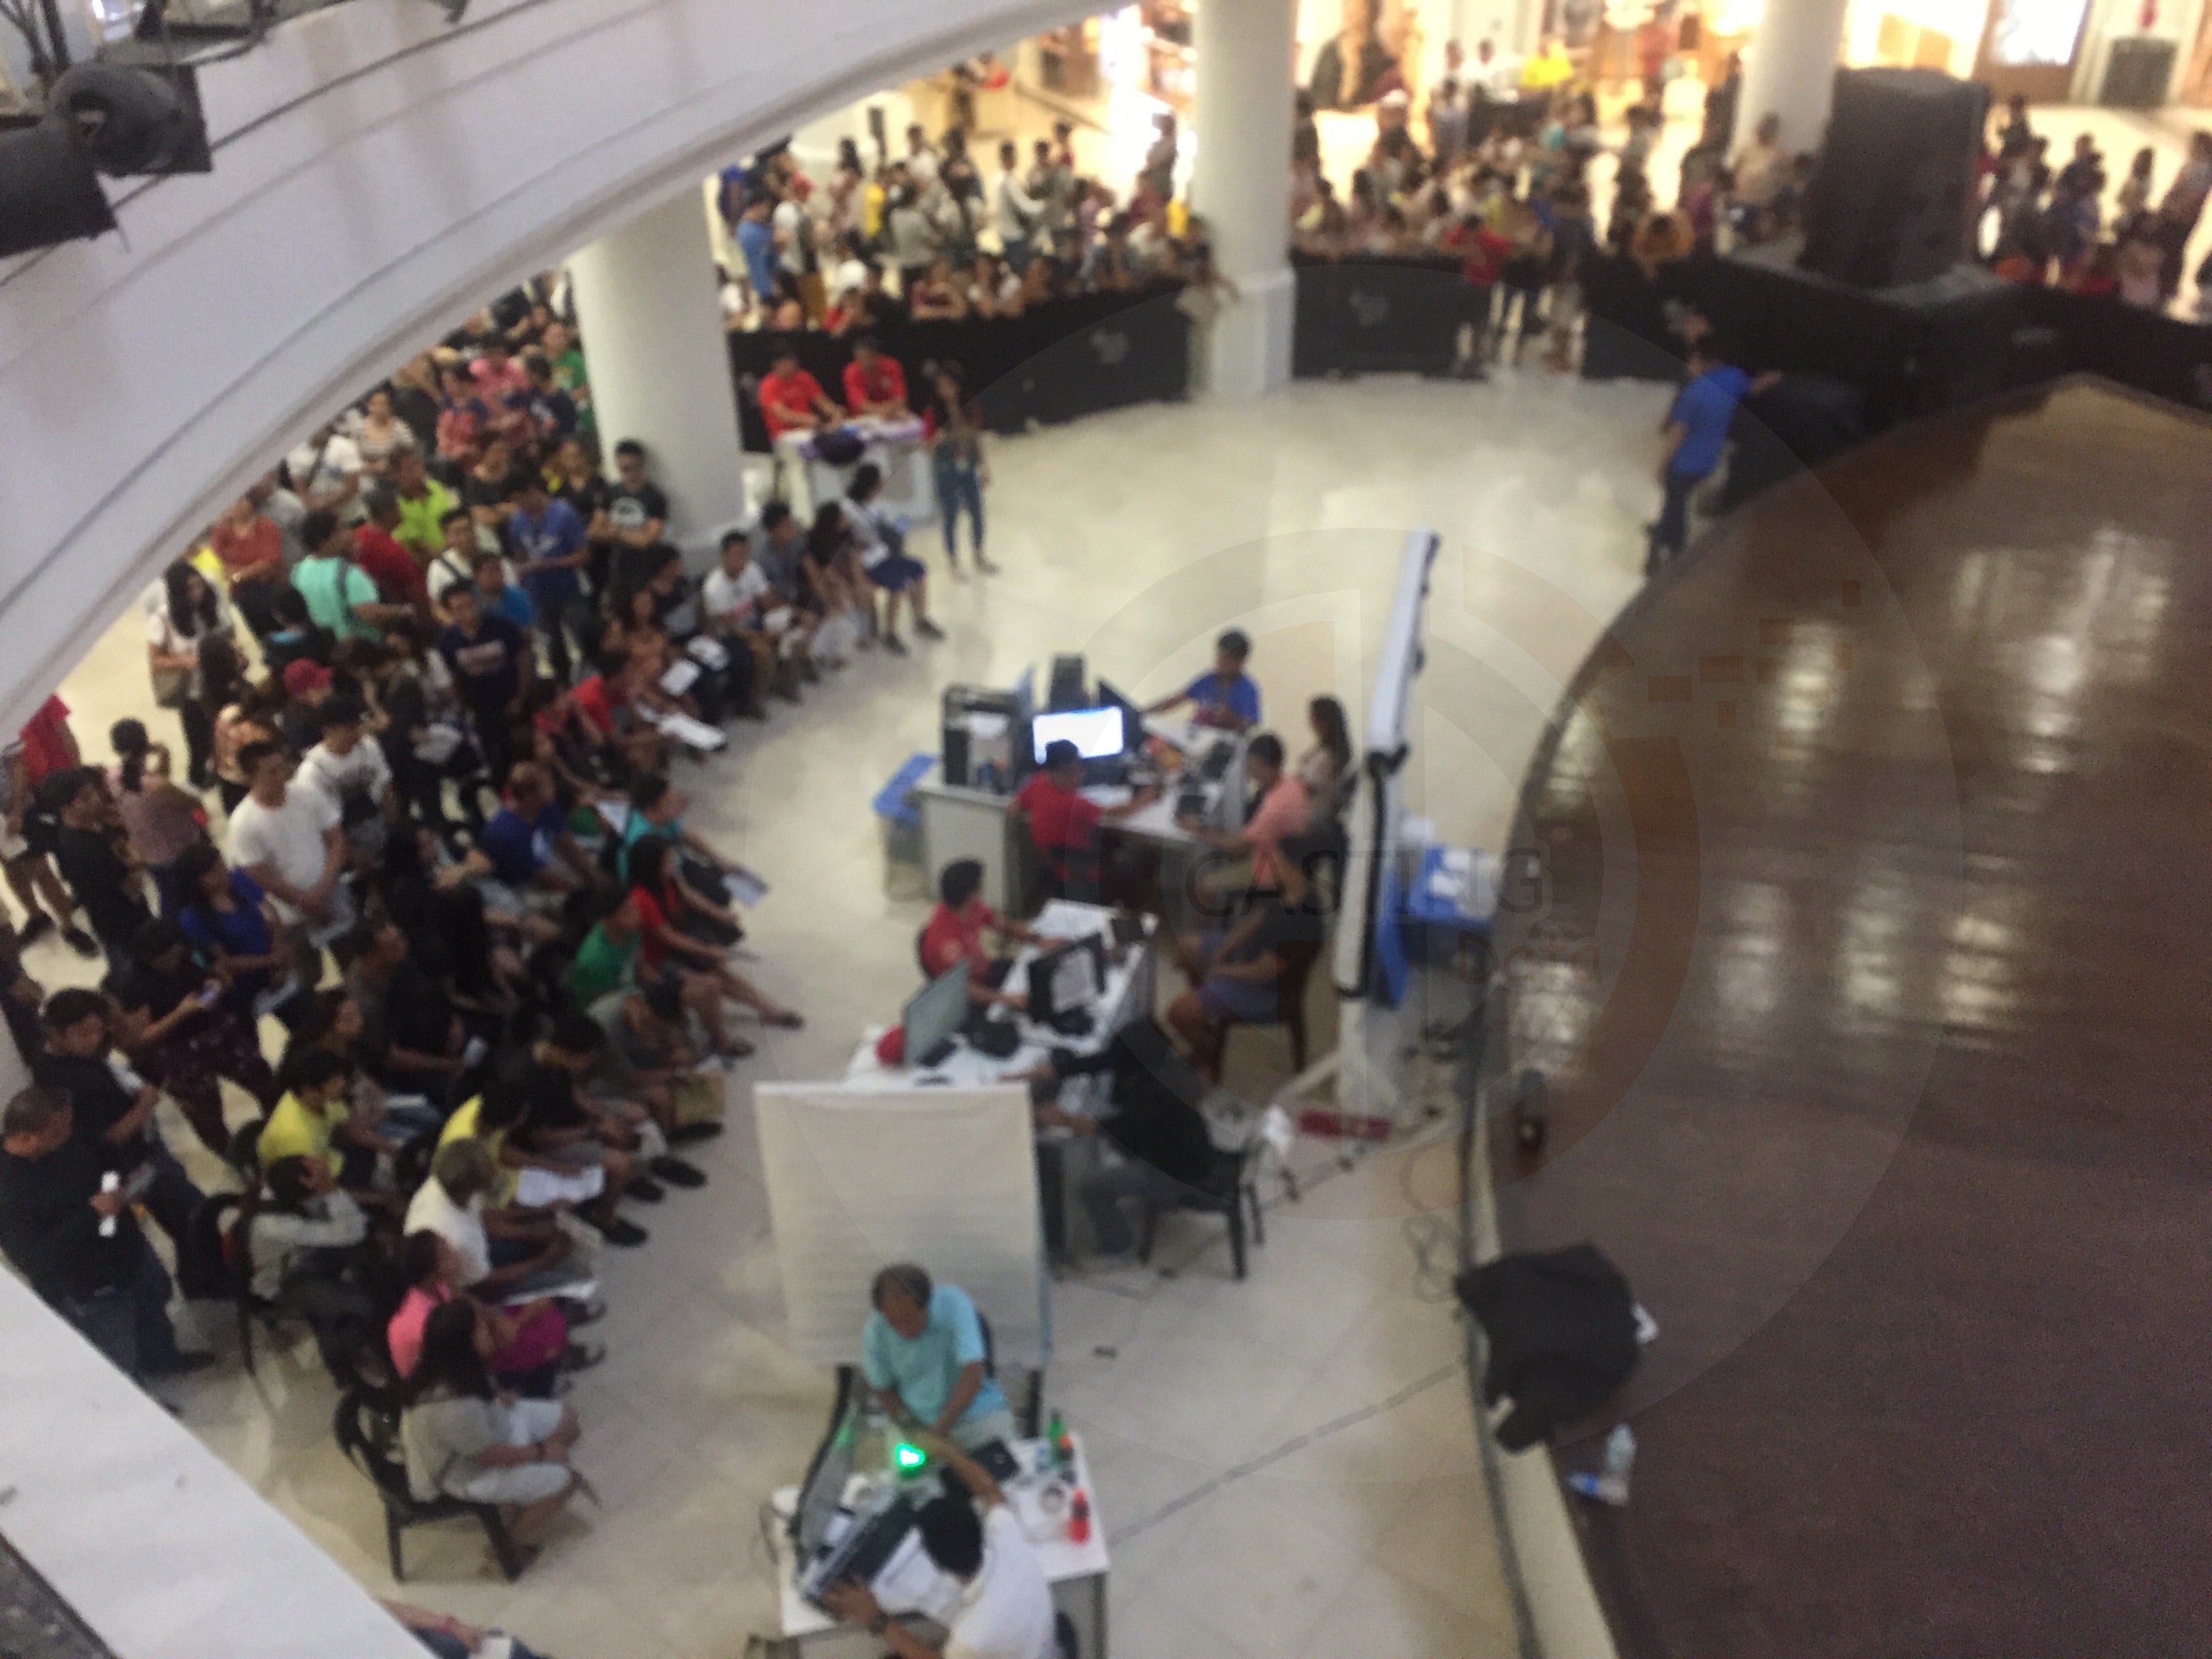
1867 964
1286 1467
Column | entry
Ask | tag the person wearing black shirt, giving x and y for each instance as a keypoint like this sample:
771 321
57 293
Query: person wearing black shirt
637 511
576 482
79 1246
489 488
19 994
97 870
112 1112
491 661
1156 1125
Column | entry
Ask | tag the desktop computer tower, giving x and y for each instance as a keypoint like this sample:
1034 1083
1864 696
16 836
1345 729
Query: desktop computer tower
1068 689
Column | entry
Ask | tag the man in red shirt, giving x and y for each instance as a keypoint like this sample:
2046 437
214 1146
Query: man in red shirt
875 384
398 579
792 400
1064 825
252 549
955 933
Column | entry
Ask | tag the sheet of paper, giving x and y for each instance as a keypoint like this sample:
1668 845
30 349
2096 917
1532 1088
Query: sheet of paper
744 887
680 677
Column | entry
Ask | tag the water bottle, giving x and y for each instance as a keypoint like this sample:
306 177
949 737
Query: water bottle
1610 1483
1079 1518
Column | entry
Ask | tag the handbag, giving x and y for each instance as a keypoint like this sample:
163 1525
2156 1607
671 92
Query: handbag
173 687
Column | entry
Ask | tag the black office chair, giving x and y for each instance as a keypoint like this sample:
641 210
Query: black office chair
369 1437
1231 1185
1029 1413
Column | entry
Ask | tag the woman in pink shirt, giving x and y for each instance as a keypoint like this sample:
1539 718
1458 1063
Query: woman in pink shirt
531 1345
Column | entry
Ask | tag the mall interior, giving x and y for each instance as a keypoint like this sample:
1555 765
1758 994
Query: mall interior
1304 828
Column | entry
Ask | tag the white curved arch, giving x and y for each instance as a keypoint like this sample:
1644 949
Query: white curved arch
378 176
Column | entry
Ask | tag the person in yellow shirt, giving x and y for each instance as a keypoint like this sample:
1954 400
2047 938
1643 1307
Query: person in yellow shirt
501 1119
314 1118
1548 67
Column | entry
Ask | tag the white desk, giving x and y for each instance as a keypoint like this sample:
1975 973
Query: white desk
1125 996
909 491
1077 1572
1067 1158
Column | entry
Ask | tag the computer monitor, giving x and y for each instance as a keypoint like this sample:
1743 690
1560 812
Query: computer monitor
1066 978
1095 733
1133 718
935 1015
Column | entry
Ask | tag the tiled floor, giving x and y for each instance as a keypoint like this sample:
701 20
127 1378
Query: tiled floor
1286 1467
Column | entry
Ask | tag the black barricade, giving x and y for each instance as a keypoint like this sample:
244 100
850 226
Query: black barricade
1056 362
1377 316
2145 349
1626 335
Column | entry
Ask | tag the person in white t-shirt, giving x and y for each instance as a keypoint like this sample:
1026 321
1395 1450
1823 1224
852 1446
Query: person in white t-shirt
326 472
292 840
743 608
1003 1610
354 775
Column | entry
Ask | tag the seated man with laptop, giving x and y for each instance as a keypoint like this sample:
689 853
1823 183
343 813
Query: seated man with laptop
1064 824
955 930
922 1352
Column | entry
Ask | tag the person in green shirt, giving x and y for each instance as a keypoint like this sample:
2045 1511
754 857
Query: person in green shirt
606 961
559 345
424 504
339 594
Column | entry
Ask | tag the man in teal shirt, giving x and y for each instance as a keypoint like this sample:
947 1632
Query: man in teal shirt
922 1352
339 594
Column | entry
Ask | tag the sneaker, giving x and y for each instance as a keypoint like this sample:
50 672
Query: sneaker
40 925
984 565
80 941
677 1173
580 1314
627 1234
582 1356
644 1189
686 1134
894 644
927 629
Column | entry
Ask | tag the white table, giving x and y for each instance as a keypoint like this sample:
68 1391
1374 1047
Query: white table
1125 996
1077 1572
909 490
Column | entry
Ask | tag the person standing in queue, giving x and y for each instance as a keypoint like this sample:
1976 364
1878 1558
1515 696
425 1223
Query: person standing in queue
1225 696
1003 1610
1064 824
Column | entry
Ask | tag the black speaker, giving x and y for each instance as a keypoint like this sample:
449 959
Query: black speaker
1893 201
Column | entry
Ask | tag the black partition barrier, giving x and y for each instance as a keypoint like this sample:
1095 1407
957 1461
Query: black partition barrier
2147 350
1055 361
1378 316
1627 334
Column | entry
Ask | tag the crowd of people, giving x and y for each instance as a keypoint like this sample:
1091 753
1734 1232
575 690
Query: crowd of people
2079 228
422 890
934 233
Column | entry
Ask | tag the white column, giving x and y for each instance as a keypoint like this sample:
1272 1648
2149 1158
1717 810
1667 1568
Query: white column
660 363
1790 70
1240 185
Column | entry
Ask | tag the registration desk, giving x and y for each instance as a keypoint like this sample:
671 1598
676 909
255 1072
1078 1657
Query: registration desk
1064 1159
895 447
1076 1572
958 822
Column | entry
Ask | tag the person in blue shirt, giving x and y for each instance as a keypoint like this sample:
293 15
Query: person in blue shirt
757 241
547 539
498 596
922 1351
1696 431
1224 696
528 843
